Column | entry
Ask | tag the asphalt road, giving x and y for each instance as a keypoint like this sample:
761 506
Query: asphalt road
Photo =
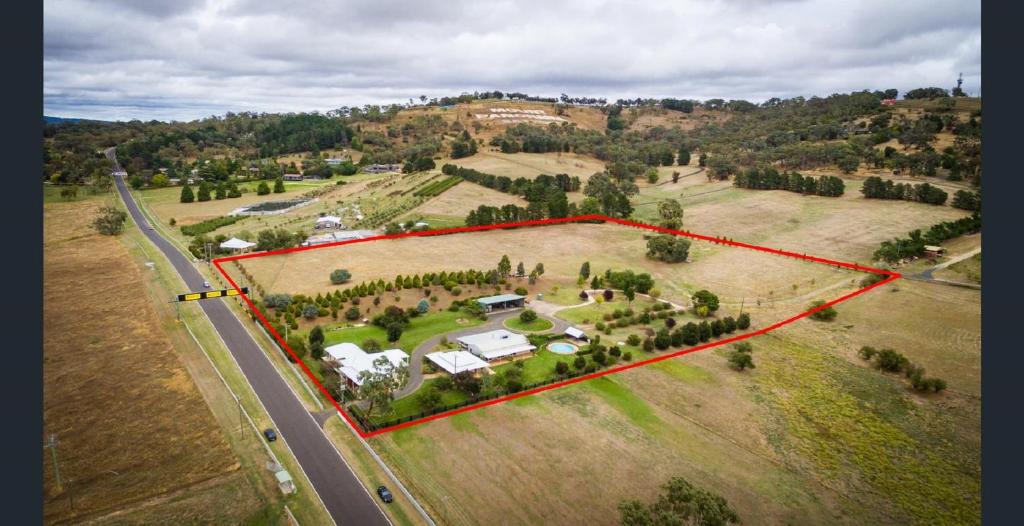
347 501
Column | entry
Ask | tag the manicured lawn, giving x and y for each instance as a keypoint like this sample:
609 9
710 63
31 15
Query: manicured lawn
410 405
419 330
563 296
593 313
539 324
539 367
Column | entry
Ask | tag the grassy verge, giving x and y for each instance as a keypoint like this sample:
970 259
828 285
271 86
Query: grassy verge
164 282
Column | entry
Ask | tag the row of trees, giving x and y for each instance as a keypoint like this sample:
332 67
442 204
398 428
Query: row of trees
876 188
913 245
892 361
530 189
770 179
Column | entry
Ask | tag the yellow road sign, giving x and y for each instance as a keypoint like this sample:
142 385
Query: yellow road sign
192 296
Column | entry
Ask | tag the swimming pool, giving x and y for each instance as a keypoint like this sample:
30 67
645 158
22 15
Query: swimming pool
562 348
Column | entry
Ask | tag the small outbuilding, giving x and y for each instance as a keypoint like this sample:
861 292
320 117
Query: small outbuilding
292 177
501 301
238 245
933 251
329 222
576 334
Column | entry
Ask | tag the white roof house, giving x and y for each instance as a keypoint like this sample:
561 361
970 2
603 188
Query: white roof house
455 362
328 222
353 360
236 244
496 344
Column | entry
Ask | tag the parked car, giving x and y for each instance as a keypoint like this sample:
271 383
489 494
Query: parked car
385 495
270 434
206 284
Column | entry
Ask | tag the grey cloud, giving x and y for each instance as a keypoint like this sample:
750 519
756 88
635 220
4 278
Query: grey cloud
183 60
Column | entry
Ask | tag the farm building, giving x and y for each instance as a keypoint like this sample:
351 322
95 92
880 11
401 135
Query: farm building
933 251
292 177
502 301
497 344
454 362
352 361
238 245
335 161
333 237
329 222
381 168
576 334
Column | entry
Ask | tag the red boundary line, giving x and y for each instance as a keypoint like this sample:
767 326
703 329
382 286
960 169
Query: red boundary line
890 276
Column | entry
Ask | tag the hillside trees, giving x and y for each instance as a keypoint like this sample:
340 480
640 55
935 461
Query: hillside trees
668 248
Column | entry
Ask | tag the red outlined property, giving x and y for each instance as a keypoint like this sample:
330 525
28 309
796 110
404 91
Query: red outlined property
889 276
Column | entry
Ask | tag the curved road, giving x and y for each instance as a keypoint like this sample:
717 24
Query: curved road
344 496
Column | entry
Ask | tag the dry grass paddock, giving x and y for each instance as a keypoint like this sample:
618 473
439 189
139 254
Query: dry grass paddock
735 274
531 165
130 422
464 197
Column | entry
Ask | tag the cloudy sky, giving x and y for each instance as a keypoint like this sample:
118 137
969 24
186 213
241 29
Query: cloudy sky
187 59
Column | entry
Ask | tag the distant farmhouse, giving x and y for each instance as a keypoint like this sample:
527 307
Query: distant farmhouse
381 168
496 345
352 361
334 237
328 222
335 161
292 177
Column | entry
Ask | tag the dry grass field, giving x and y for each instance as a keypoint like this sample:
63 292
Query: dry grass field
464 197
133 429
811 436
734 274
530 165
848 228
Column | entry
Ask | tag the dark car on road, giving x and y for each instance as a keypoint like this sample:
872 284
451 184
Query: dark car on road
385 495
270 434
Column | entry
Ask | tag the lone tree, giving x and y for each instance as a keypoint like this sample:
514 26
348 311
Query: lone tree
279 186
520 269
585 270
186 194
379 385
668 248
339 276
671 213
262 189
527 316
682 503
110 221
704 298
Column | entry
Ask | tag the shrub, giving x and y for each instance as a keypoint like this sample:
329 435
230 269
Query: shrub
867 352
670 322
608 294
583 295
890 361
456 291
444 383
599 326
310 311
339 276
527 316
744 347
743 322
521 291
429 399
826 314
730 324
579 363
741 360
633 340
648 345
662 339
628 356
561 368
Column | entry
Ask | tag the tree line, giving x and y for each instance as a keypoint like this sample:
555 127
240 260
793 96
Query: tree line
770 179
913 245
876 188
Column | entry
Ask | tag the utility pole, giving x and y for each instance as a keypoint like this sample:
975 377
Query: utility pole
52 444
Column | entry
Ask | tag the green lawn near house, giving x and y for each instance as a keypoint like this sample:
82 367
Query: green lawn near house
537 325
419 330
